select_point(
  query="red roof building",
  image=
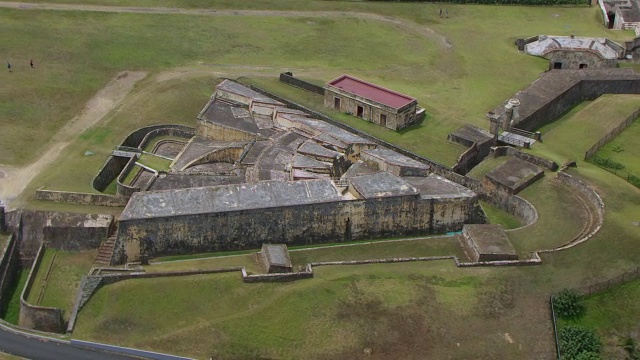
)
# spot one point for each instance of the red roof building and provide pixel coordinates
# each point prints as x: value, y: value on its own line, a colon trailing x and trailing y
x: 371, y: 102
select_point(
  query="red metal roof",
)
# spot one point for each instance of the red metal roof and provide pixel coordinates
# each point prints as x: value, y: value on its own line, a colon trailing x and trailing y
x: 370, y: 91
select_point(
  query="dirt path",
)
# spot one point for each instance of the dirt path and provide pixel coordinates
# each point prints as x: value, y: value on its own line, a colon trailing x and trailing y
x: 404, y: 24
x: 16, y: 179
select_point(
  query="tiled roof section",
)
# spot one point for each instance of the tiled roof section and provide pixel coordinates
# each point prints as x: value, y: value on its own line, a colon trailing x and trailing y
x: 371, y: 91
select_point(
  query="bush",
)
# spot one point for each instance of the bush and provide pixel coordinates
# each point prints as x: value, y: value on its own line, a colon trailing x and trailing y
x: 578, y: 343
x: 607, y: 163
x: 568, y: 304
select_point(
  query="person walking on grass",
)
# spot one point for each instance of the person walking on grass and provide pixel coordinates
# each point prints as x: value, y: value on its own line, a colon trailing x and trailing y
x: 31, y: 64
x: 9, y: 67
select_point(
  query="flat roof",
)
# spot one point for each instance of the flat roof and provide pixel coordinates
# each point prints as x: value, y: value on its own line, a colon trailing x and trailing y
x: 217, y: 199
x: 382, y: 184
x: 371, y: 91
x: 437, y: 187
x: 242, y: 90
x: 277, y: 254
x: 548, y: 43
x: 395, y: 158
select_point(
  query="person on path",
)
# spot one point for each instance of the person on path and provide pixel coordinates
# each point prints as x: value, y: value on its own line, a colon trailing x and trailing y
x: 446, y: 12
x: 440, y: 12
x: 31, y: 63
x: 9, y: 66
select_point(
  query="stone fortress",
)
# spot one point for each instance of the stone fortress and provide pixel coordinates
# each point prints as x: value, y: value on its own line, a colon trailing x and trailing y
x: 270, y: 174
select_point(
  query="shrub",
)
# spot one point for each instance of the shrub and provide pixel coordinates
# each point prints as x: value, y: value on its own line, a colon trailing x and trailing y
x: 568, y: 304
x: 607, y: 163
x: 578, y: 343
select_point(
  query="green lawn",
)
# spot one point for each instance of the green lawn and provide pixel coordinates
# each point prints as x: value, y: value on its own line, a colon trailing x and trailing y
x: 154, y: 162
x: 584, y: 126
x: 499, y: 216
x: 625, y: 148
x: 488, y: 164
x: 613, y: 315
x: 67, y: 74
x: 67, y: 270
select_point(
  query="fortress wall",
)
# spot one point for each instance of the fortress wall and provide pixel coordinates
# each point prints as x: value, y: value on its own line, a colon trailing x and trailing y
x: 222, y: 133
x: 127, y: 190
x: 9, y: 265
x: 583, y: 90
x: 81, y: 198
x: 315, y: 223
x: 498, y: 151
x: 38, y: 317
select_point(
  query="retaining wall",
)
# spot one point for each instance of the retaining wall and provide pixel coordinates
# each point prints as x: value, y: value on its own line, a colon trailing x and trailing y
x: 38, y: 317
x: 109, y: 172
x: 289, y: 79
x: 277, y: 277
x: 9, y: 266
x: 127, y: 190
x: 81, y: 198
x: 498, y: 151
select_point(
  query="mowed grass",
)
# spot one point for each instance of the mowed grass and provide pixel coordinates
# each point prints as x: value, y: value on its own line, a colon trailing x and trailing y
x: 613, y: 315
x: 336, y: 314
x: 413, y: 61
x: 584, y: 126
x: 67, y: 269
x: 496, y: 215
x: 625, y: 148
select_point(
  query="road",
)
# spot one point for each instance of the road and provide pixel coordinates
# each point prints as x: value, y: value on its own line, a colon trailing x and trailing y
x: 35, y: 348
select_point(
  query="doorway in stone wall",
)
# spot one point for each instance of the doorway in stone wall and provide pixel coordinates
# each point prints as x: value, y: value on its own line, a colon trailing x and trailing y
x: 557, y: 65
x: 383, y: 120
x: 336, y: 103
x: 360, y: 111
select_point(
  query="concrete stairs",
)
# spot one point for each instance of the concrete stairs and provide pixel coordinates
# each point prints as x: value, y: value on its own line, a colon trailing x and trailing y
x: 105, y: 252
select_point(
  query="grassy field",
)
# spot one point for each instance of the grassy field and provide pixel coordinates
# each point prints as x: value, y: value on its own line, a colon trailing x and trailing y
x: 419, y: 310
x: 624, y: 148
x: 67, y: 269
x: 66, y: 75
x: 584, y: 126
x: 613, y: 315
x: 499, y: 216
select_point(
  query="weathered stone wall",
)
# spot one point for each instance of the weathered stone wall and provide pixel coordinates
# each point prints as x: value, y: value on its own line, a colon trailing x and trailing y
x: 498, y: 151
x: 585, y: 189
x: 167, y: 130
x: 572, y: 60
x: 226, y: 155
x: 222, y: 133
x: 123, y: 189
x: 74, y: 239
x: 135, y: 138
x: 109, y: 172
x: 81, y: 198
x: 38, y: 317
x: 9, y: 266
x: 3, y: 222
x: 315, y: 223
x: 583, y: 90
x: 395, y: 118
x: 289, y: 79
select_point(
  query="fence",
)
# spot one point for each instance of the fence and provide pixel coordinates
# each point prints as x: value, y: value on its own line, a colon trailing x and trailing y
x: 613, y: 133
x: 590, y: 290
x: 621, y: 173
x: 288, y: 78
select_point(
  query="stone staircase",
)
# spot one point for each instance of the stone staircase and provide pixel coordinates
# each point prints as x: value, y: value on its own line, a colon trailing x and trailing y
x: 105, y: 252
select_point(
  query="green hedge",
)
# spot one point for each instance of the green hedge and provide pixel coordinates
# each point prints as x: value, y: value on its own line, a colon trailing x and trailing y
x: 503, y: 2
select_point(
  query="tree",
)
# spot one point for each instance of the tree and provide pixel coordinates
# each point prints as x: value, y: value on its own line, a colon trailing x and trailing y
x: 568, y: 304
x: 578, y: 343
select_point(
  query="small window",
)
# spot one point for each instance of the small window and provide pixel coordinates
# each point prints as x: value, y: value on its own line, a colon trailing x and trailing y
x: 583, y: 66
x: 557, y: 65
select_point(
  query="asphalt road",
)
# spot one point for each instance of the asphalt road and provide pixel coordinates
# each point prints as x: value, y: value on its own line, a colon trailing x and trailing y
x: 35, y: 348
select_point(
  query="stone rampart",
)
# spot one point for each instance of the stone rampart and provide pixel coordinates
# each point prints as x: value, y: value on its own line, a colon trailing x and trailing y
x: 81, y: 198
x: 136, y: 138
x: 125, y: 190
x: 9, y: 265
x: 498, y: 151
x: 316, y: 223
x: 38, y: 317
x: 587, y: 89
x: 167, y: 130
x: 288, y: 78
x: 109, y: 172
x: 587, y: 191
